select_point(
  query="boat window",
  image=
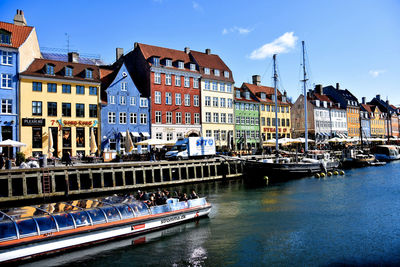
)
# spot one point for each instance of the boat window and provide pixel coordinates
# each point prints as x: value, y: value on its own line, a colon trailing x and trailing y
x: 7, y: 230
x: 111, y: 213
x: 64, y: 221
x: 139, y: 208
x: 125, y: 210
x: 81, y: 218
x: 197, y: 202
x: 97, y: 216
x: 160, y: 209
x: 46, y: 224
x: 27, y: 227
x: 179, y: 205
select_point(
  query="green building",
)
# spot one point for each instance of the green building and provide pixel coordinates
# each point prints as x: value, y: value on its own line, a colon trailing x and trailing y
x: 247, y: 119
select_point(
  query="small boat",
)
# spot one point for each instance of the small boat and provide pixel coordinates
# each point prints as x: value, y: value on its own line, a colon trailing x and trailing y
x: 356, y: 159
x: 377, y: 163
x: 40, y: 230
x: 386, y: 153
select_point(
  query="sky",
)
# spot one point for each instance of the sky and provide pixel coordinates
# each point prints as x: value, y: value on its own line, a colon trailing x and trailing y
x: 355, y: 43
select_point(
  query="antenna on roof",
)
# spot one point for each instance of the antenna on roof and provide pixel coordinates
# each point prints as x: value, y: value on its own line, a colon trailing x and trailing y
x: 67, y: 36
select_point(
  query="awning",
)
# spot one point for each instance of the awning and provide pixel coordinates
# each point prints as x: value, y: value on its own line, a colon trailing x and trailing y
x: 145, y: 134
x: 135, y: 134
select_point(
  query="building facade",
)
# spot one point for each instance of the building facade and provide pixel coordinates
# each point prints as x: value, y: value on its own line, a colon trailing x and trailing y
x: 247, y: 115
x: 123, y: 107
x: 18, y: 47
x: 365, y: 117
x: 60, y: 99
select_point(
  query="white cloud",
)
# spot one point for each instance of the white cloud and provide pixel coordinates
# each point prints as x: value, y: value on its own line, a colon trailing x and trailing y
x: 239, y: 30
x: 283, y: 44
x: 376, y: 73
x: 197, y: 6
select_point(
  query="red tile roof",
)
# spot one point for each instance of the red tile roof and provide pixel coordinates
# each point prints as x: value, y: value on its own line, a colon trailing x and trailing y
x: 162, y: 52
x: 251, y: 100
x: 38, y: 65
x: 322, y: 98
x: 18, y: 33
x: 261, y: 89
x: 367, y: 107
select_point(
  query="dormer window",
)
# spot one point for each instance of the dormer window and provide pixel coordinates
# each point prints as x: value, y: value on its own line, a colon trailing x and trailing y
x: 181, y: 65
x: 68, y: 71
x: 89, y: 74
x: 247, y: 95
x: 325, y: 104
x: 192, y: 67
x: 216, y: 72
x: 237, y: 94
x: 207, y: 71
x: 5, y: 37
x: 263, y: 96
x: 226, y: 74
x: 156, y: 61
x: 317, y: 103
x: 50, y: 69
x: 168, y: 63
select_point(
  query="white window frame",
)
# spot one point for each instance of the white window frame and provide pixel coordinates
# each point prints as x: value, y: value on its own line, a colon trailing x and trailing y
x: 157, y: 77
x: 188, y: 118
x: 170, y: 136
x: 230, y: 118
x: 8, y: 104
x: 157, y: 97
x: 168, y: 63
x: 6, y: 58
x: 132, y: 101
x: 215, y: 117
x: 192, y: 67
x: 208, y: 133
x: 206, y: 85
x: 158, y: 116
x: 159, y: 136
x: 214, y: 86
x: 178, y: 117
x: 196, y: 118
x: 229, y: 88
x: 132, y: 118
x: 168, y: 79
x: 177, y: 80
x: 230, y: 103
x: 168, y: 98
x: 178, y: 99
x: 207, y: 71
x: 122, y: 118
x: 195, y: 83
x: 168, y: 117
x: 143, y: 118
x: 111, y: 117
x: 187, y: 82
x: 181, y: 64
x: 207, y: 101
x: 208, y: 117
x: 8, y: 78
x: 223, y: 118
x: 216, y: 72
x: 222, y: 87
x: 222, y: 102
x: 187, y: 100
x: 196, y: 102
x: 226, y: 74
x: 124, y: 86
x: 144, y: 103
x: 215, y: 102
x: 122, y: 100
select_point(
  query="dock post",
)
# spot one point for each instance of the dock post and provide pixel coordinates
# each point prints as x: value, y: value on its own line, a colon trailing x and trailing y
x: 66, y: 183
x: 24, y: 188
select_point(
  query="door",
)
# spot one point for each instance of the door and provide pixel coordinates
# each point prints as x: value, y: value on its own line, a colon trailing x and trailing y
x: 6, y: 133
x: 54, y: 133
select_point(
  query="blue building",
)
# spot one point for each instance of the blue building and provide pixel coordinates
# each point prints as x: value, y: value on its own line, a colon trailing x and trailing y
x: 123, y: 108
x: 16, y: 39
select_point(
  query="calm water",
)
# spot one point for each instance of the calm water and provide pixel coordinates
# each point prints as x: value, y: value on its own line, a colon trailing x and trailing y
x: 352, y: 219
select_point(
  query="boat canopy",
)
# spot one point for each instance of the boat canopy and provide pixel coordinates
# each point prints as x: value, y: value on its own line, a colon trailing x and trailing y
x: 16, y: 223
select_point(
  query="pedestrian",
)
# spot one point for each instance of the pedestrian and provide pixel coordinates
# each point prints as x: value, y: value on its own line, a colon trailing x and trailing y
x: 153, y: 154
x: 1, y: 161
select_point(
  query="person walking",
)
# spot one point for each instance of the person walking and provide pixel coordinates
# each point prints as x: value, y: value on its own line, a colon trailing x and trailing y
x: 1, y: 161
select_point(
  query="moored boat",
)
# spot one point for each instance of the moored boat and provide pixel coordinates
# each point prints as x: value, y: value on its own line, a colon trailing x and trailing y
x: 38, y: 230
x: 356, y: 159
x: 386, y: 153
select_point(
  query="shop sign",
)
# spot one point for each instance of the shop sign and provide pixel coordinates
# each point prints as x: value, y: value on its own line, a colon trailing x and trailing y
x: 33, y: 122
x: 76, y: 123
x: 272, y: 130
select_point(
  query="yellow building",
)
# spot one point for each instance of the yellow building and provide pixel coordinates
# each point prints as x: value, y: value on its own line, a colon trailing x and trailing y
x: 267, y: 110
x: 353, y: 121
x: 60, y: 99
x: 377, y: 122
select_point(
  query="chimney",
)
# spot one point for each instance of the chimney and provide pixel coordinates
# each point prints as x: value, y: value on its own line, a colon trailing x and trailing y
x: 135, y: 45
x: 208, y: 51
x: 256, y: 79
x: 363, y: 100
x: 187, y: 50
x: 73, y: 57
x: 318, y: 89
x: 337, y: 86
x: 19, y: 18
x: 119, y: 52
x: 378, y: 97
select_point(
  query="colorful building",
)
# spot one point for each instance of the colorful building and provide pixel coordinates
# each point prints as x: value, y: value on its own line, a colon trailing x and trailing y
x: 60, y: 99
x: 123, y: 107
x: 265, y: 96
x: 377, y: 121
x: 247, y: 116
x: 18, y: 47
x: 171, y: 79
x: 365, y: 117
x: 216, y: 98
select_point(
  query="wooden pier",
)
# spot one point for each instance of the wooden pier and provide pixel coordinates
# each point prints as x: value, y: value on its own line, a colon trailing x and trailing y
x: 55, y: 182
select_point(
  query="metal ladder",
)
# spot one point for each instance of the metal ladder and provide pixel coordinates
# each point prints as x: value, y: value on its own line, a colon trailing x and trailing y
x: 46, y: 181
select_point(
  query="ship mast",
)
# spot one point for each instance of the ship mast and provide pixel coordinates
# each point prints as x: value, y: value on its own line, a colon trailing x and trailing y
x: 276, y: 106
x: 305, y: 101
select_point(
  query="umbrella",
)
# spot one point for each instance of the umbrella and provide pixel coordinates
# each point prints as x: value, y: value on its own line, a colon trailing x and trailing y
x: 128, y: 142
x: 51, y: 149
x: 11, y: 143
x: 154, y: 142
x: 93, y: 146
x: 281, y: 141
x: 302, y: 140
x: 336, y: 140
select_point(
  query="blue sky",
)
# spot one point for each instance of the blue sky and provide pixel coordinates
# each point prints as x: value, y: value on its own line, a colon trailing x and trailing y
x: 353, y: 42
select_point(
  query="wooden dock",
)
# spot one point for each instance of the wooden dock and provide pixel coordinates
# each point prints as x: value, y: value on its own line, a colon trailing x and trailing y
x: 57, y: 182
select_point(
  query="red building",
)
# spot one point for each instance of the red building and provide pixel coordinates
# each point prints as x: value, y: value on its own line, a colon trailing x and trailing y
x: 171, y: 79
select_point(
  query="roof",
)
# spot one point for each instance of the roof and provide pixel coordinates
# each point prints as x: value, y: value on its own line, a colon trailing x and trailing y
x: 253, y: 99
x: 261, y: 89
x: 64, y: 57
x: 107, y: 76
x: 367, y: 107
x: 38, y: 65
x: 162, y: 52
x: 322, y: 97
x: 213, y: 62
x: 18, y: 33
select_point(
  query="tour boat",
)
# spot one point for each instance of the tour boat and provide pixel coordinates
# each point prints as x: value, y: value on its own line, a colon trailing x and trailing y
x: 356, y: 159
x: 386, y: 153
x: 39, y: 230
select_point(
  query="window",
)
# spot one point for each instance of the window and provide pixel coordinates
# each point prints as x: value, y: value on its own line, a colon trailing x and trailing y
x: 89, y: 74
x: 169, y: 117
x: 122, y: 117
x: 229, y: 88
x: 226, y: 74
x: 215, y: 101
x: 168, y: 79
x: 188, y: 118
x: 122, y: 100
x: 178, y: 117
x: 268, y: 108
x: 168, y: 63
x: 112, y: 99
x: 52, y: 109
x: 207, y: 71
x: 223, y: 135
x: 49, y: 69
x: 156, y: 61
x: 6, y: 81
x: 237, y: 106
x: 216, y: 134
x: 263, y: 96
x: 195, y: 83
x: 111, y: 117
x: 132, y: 118
x: 169, y: 136
x: 158, y: 116
x: 68, y: 71
x: 256, y: 121
x: 37, y: 108
x: 36, y: 137
x: 192, y: 67
x: 237, y: 94
x: 222, y: 102
x: 230, y: 103
x: 208, y: 133
x: 206, y: 85
x: 222, y: 87
x: 92, y: 111
x: 168, y: 98
x: 80, y: 90
x: 287, y: 122
x: 143, y: 118
x: 159, y: 136
x: 246, y: 107
x: 247, y: 95
x: 242, y: 106
x: 80, y: 110
x: 196, y: 101
x: 178, y: 99
x: 230, y: 118
x: 132, y: 101
x: 247, y: 120
x: 252, y: 121
x: 124, y: 86
x: 237, y: 119
x: 251, y: 107
x: 80, y: 137
x: 214, y: 86
x: 216, y: 72
x: 66, y: 88
x: 187, y: 100
x: 268, y: 121
x: 37, y: 86
x: 66, y: 109
x: 92, y: 90
x: 208, y: 116
x: 177, y: 80
x: 242, y: 120
x: 181, y: 65
x: 52, y: 88
x: 196, y: 118
x: 6, y: 58
x: 157, y: 78
x: 144, y: 103
x: 223, y: 118
x: 215, y: 117
x: 207, y: 101
x: 187, y: 82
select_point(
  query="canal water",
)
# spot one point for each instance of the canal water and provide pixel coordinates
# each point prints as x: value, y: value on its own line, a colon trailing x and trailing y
x: 352, y: 219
